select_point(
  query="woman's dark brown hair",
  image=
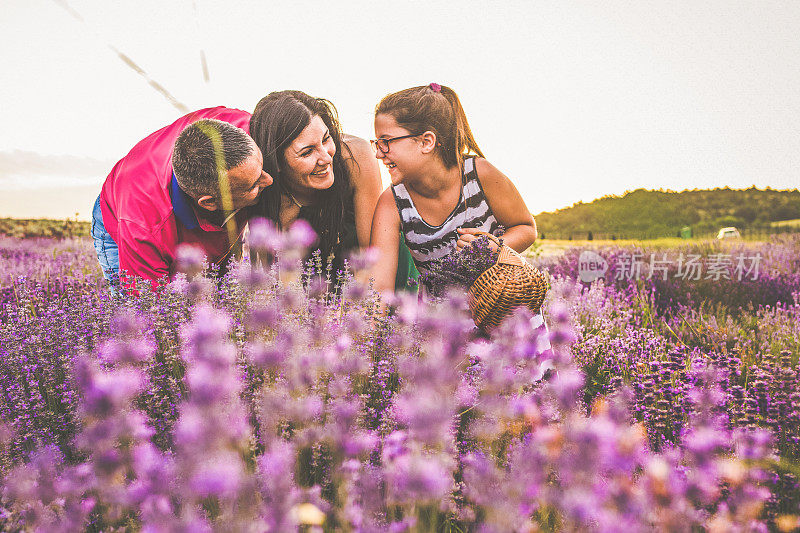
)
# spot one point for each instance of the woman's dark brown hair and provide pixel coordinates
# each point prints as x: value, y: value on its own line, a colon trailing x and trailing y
x: 277, y: 120
x: 433, y: 108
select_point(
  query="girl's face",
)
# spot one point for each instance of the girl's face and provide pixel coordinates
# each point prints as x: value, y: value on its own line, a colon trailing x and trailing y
x: 403, y: 155
x: 309, y: 158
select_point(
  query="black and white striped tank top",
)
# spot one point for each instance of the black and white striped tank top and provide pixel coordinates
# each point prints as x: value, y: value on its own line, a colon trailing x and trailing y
x: 428, y: 243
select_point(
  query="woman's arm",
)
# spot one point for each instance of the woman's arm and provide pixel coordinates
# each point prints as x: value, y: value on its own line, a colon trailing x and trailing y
x: 508, y: 207
x: 386, y: 239
x: 366, y: 181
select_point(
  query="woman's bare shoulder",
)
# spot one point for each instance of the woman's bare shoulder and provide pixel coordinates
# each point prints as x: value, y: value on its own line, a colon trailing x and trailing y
x: 357, y: 147
x: 359, y: 156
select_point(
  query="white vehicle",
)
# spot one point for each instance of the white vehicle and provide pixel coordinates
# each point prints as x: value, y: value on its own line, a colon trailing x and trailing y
x: 729, y: 233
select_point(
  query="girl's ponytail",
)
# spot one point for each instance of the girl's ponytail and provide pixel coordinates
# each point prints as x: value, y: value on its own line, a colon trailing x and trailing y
x: 436, y: 108
x: 466, y: 141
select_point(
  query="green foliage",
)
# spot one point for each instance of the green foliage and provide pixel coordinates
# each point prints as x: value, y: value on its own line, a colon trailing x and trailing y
x: 644, y: 214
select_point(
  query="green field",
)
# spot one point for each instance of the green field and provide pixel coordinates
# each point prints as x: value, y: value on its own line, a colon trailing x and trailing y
x: 795, y: 223
x: 554, y: 247
x: 44, y: 227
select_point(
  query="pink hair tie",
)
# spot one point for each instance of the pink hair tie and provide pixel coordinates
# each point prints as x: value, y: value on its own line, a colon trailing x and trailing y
x: 435, y: 87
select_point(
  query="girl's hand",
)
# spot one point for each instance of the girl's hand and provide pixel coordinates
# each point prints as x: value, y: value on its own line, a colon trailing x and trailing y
x: 467, y: 235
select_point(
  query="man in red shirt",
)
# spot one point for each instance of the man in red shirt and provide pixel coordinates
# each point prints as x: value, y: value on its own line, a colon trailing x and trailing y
x: 168, y: 191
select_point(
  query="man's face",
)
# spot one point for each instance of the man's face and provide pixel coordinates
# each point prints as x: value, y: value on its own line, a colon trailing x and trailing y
x: 248, y: 179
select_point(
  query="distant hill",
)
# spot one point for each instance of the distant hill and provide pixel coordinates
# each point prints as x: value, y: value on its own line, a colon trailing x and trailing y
x: 639, y: 214
x: 645, y: 214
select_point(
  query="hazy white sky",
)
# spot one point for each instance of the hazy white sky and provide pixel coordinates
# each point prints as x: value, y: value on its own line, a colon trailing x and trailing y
x: 572, y: 100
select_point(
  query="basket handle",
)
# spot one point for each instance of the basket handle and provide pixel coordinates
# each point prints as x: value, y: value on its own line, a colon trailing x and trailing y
x: 508, y: 256
x: 491, y: 237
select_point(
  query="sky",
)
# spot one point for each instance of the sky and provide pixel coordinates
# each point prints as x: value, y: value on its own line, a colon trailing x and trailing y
x: 572, y: 100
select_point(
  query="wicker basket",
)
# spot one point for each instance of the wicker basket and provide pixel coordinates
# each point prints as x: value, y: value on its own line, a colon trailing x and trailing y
x: 512, y: 282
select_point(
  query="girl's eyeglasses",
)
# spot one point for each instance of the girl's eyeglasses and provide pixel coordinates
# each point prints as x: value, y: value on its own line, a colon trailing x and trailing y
x: 383, y: 144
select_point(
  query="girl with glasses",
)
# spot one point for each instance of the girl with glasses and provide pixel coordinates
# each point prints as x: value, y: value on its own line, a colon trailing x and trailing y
x: 443, y: 191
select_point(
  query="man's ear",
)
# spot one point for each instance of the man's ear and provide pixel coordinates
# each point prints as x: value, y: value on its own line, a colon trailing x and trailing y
x: 208, y: 203
x: 429, y: 142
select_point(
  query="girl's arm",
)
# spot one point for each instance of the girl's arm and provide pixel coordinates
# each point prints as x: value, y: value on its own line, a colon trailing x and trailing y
x: 508, y: 207
x: 386, y: 240
x: 366, y: 181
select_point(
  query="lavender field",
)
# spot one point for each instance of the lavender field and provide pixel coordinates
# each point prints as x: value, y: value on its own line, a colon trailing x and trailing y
x: 670, y: 400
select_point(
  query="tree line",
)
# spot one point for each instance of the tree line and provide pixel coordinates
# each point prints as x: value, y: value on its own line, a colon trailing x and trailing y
x: 648, y: 214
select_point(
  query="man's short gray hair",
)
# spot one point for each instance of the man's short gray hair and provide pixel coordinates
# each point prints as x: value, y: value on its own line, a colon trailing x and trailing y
x: 194, y: 158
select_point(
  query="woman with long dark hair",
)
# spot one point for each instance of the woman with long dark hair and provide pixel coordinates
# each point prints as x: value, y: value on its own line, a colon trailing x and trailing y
x: 321, y: 175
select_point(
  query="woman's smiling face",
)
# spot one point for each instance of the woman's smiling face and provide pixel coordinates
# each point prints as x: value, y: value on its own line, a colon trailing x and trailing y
x: 309, y: 158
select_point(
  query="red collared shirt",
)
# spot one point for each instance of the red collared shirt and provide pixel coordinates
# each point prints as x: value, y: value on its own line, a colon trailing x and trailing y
x: 145, y: 216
